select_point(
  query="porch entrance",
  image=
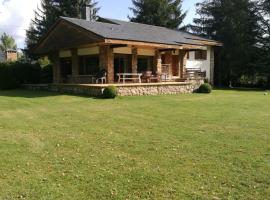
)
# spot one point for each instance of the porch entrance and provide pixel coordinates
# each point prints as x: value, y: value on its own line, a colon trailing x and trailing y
x: 122, y: 64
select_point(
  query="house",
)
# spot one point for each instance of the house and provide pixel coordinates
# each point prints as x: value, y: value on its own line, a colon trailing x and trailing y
x: 8, y: 55
x: 80, y: 48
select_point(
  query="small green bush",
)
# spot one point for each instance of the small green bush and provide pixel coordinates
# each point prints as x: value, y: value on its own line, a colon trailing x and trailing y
x: 205, y: 88
x: 110, y: 92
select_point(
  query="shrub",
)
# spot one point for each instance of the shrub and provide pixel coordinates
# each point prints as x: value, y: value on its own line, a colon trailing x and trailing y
x: 205, y: 88
x: 13, y: 74
x: 7, y: 78
x: 110, y: 92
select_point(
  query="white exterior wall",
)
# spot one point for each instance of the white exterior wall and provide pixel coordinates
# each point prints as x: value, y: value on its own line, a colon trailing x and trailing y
x: 204, y: 65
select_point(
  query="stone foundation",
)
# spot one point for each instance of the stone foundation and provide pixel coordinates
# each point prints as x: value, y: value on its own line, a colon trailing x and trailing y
x: 123, y: 89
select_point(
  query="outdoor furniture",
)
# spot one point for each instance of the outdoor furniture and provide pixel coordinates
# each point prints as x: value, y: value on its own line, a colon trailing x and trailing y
x: 147, y: 76
x: 129, y: 76
x: 193, y: 73
x: 101, y: 77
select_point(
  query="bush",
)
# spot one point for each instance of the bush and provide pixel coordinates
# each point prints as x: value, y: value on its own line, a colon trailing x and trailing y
x: 110, y: 92
x: 13, y: 74
x: 205, y: 88
x: 7, y: 78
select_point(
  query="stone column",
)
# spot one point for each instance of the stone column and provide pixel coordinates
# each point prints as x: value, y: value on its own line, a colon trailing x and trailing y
x: 158, y: 62
x: 106, y: 61
x: 75, y: 65
x: 134, y: 60
x: 183, y: 62
x: 212, y: 65
x: 56, y: 68
x: 168, y: 61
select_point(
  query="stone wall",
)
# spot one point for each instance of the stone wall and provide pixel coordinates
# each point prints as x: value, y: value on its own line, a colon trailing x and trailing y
x: 159, y: 89
x: 123, y: 90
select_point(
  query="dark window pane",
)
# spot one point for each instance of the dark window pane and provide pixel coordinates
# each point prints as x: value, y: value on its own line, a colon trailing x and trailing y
x: 89, y: 65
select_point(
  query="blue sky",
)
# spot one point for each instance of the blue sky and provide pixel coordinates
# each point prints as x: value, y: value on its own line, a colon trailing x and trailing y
x: 15, y: 15
x: 118, y: 9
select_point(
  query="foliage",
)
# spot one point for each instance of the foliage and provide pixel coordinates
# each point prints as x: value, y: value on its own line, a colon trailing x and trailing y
x: 179, y: 147
x: 235, y: 23
x: 110, y: 92
x: 48, y: 14
x: 13, y: 74
x: 7, y: 79
x: 166, y: 13
x: 205, y: 88
x: 7, y: 42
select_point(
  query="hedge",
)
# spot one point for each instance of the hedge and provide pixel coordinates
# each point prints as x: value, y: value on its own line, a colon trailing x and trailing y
x: 14, y: 74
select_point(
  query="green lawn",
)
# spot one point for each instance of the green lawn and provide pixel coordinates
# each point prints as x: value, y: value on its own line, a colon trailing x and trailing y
x: 195, y: 146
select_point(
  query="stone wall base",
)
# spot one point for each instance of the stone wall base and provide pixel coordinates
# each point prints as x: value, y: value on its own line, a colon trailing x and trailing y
x: 123, y: 90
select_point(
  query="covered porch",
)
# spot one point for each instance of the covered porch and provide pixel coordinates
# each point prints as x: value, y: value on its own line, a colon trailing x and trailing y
x: 111, y: 63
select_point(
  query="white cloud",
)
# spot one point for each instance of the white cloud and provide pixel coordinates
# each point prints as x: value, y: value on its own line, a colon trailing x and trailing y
x: 15, y: 17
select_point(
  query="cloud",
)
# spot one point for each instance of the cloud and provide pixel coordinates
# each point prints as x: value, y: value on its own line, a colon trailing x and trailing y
x: 15, y: 17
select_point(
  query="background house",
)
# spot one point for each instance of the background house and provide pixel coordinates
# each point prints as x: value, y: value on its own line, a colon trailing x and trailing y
x: 8, y: 55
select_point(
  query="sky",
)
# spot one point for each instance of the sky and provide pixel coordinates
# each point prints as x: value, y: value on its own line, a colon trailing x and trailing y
x: 16, y: 15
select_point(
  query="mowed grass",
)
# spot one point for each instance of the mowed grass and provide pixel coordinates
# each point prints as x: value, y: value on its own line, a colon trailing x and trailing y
x: 55, y: 146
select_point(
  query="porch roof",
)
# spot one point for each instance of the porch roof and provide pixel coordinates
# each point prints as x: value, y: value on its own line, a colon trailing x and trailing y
x: 122, y: 30
x: 73, y: 32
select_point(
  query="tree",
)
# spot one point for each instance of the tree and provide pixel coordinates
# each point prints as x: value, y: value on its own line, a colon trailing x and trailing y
x: 166, y: 13
x: 264, y: 39
x: 7, y: 42
x: 50, y: 11
x: 235, y: 23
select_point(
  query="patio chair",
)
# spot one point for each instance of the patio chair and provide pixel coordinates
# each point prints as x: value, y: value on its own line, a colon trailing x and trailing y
x: 147, y: 76
x: 101, y: 76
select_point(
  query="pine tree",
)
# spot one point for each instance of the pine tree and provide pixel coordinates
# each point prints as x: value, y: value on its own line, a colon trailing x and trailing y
x: 166, y: 13
x: 235, y: 24
x: 50, y: 11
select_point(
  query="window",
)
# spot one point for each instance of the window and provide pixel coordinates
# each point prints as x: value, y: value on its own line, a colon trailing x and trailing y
x: 145, y: 63
x: 188, y: 56
x: 200, y: 55
x: 89, y: 65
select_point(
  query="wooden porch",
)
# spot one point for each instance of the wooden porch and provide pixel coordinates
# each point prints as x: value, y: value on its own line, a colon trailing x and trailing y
x: 121, y: 64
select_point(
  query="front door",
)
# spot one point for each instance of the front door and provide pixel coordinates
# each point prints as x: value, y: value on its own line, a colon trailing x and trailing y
x: 175, y: 65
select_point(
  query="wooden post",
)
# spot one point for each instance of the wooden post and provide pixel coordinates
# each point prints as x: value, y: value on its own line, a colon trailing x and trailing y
x: 134, y: 60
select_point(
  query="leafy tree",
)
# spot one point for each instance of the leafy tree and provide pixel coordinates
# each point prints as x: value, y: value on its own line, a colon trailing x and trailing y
x: 236, y: 24
x: 7, y: 42
x: 167, y: 13
x: 50, y: 11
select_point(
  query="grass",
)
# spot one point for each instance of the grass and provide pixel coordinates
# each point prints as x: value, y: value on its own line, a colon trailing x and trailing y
x: 213, y: 146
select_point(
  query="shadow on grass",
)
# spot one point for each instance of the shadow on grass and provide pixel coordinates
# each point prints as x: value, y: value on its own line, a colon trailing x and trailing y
x: 23, y: 93
x: 240, y: 89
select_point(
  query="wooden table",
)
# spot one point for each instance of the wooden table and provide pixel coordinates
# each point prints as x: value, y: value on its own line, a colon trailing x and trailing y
x: 129, y: 76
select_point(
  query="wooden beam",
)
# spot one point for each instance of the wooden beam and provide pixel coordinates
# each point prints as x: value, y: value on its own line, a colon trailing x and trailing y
x: 118, y: 46
x: 141, y: 44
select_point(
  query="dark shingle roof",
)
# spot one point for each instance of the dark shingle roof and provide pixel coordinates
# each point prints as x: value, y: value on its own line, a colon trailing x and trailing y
x: 122, y: 30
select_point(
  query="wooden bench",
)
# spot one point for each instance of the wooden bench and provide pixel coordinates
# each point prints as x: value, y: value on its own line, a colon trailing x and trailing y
x: 129, y: 76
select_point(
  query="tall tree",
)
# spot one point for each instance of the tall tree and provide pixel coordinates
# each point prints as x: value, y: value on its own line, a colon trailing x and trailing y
x: 264, y: 39
x: 167, y: 13
x: 7, y: 42
x: 235, y: 24
x: 50, y: 11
